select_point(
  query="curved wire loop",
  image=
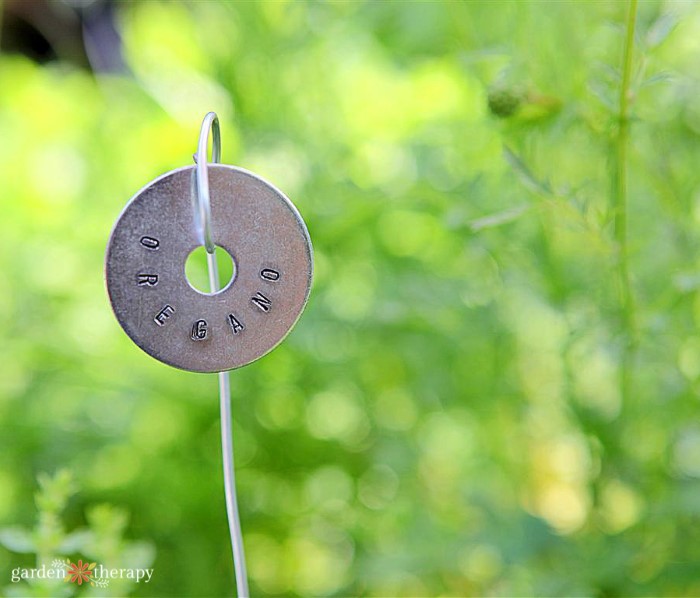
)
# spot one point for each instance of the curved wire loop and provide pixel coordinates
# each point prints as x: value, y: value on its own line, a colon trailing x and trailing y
x: 201, y: 196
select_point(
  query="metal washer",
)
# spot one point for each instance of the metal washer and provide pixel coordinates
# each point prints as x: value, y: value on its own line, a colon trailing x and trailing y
x: 171, y: 321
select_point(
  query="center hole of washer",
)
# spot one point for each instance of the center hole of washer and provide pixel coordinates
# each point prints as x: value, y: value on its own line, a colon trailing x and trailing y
x: 197, y: 272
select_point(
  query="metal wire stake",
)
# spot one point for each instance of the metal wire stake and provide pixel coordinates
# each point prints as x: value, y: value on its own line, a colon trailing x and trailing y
x: 203, y: 217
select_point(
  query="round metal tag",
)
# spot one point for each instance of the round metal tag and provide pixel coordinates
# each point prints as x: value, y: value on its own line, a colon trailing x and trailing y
x: 168, y: 318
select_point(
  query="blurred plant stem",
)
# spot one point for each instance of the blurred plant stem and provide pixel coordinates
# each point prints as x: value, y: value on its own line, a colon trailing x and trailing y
x: 619, y: 204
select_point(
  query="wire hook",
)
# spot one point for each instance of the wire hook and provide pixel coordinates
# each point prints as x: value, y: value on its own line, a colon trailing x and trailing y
x: 201, y: 196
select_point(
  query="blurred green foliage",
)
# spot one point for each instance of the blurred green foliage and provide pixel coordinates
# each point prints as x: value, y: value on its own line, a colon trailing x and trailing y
x: 49, y: 541
x: 449, y: 415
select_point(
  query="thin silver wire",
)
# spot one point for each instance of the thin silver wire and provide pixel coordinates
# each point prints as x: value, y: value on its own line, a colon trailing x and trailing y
x: 203, y: 215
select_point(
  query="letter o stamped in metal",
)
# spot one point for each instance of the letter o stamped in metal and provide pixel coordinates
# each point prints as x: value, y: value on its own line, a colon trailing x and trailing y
x: 180, y: 326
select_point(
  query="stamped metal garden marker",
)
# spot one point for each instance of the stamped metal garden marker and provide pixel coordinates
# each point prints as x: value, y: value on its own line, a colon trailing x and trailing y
x: 210, y: 205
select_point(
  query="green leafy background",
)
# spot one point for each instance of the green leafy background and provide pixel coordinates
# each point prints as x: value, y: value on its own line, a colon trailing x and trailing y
x: 466, y: 407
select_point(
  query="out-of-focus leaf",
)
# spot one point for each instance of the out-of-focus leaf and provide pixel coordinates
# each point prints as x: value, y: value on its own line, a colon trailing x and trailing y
x: 75, y: 541
x: 498, y: 219
x: 525, y: 174
x: 661, y: 29
x: 17, y: 539
x: 605, y: 94
x: 658, y: 78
